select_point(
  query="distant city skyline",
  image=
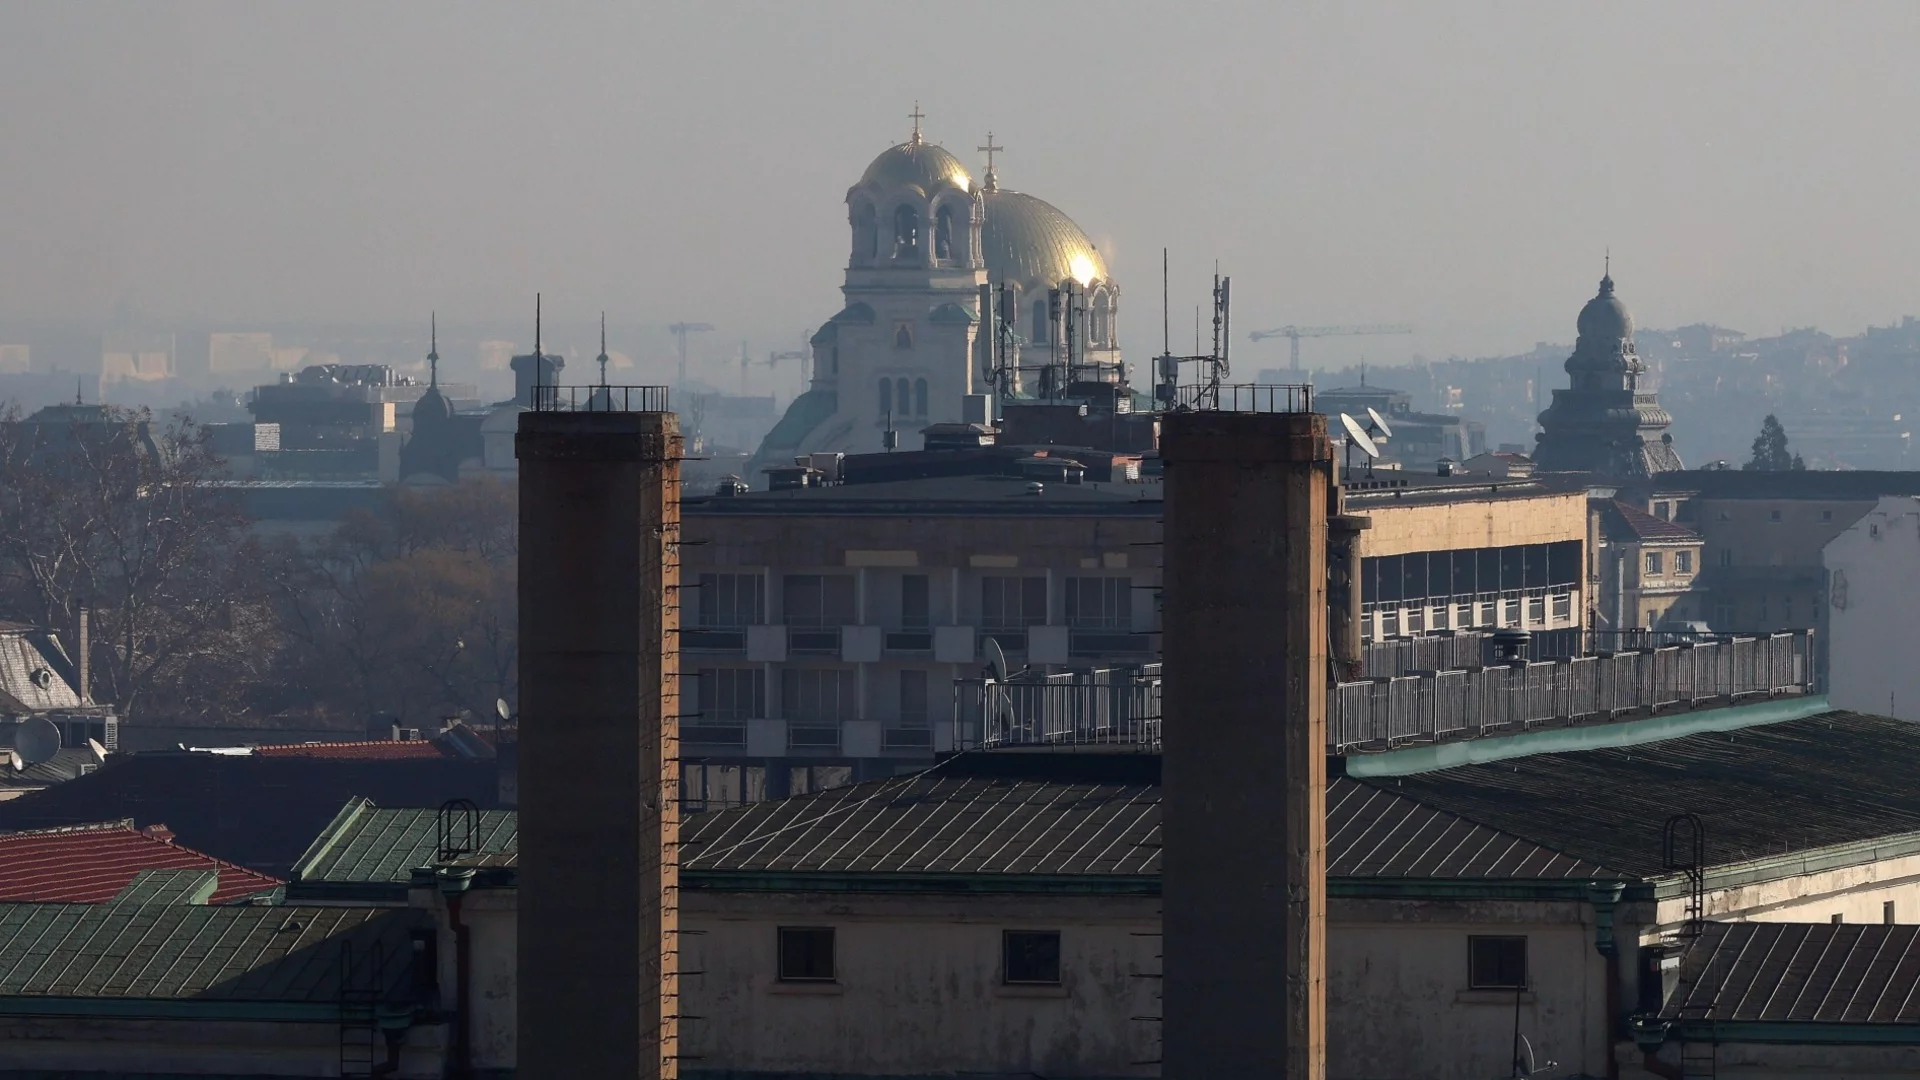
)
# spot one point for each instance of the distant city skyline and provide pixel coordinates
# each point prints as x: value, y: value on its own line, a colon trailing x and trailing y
x: 1461, y: 168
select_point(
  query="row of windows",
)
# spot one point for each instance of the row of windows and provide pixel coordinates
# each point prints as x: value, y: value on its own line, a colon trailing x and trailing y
x: 1682, y: 562
x: 1007, y: 602
x: 1534, y: 611
x: 1440, y: 574
x: 733, y: 695
x: 1032, y: 958
x: 898, y: 396
x: 1027, y: 957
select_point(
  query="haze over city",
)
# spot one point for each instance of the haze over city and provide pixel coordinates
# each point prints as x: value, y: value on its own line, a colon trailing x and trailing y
x: 1458, y: 167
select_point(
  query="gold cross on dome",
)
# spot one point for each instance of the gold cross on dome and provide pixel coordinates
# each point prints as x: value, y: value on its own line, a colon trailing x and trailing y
x: 990, y: 149
x: 916, y: 116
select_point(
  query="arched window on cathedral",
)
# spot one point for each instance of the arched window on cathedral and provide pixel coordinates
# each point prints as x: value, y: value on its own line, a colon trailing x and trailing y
x: 886, y: 396
x: 919, y: 397
x: 866, y: 233
x: 903, y: 393
x: 906, y: 232
x: 943, y: 234
x: 903, y: 335
x: 1102, y: 335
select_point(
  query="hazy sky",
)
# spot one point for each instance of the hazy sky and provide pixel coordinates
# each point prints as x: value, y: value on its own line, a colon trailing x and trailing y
x: 1459, y: 166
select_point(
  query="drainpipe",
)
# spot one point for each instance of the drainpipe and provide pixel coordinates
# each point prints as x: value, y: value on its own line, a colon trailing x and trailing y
x: 1605, y: 896
x: 393, y: 1020
x: 1649, y: 1034
x: 454, y: 882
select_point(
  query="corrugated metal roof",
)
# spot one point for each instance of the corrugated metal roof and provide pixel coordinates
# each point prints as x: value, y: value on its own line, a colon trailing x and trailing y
x: 92, y: 864
x: 1835, y: 778
x: 989, y: 826
x: 170, y: 887
x: 367, y: 843
x: 182, y: 951
x: 1829, y: 972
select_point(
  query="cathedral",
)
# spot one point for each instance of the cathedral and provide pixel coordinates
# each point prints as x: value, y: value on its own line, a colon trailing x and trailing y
x: 909, y: 345
x: 1603, y: 422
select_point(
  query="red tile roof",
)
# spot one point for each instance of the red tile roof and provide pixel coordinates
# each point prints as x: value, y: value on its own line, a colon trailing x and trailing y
x: 90, y: 864
x: 378, y: 750
x: 1631, y: 521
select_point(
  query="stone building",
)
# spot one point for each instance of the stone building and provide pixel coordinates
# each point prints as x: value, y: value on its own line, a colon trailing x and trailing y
x: 909, y: 345
x: 1604, y: 422
x: 1646, y: 568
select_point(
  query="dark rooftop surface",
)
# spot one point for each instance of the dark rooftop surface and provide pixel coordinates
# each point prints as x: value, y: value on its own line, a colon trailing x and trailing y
x: 258, y: 811
x: 1829, y: 972
x: 988, y: 495
x: 129, y: 950
x: 1835, y: 778
x: 988, y: 826
x: 368, y: 843
x: 1797, y: 484
x: 1622, y: 521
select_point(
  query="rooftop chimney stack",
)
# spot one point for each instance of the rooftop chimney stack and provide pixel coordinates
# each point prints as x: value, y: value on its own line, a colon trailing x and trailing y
x: 1244, y: 768
x: 598, y: 767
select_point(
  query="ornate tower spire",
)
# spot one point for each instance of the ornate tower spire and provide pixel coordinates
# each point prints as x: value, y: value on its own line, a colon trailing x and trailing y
x: 990, y: 182
x: 433, y: 350
x: 916, y: 116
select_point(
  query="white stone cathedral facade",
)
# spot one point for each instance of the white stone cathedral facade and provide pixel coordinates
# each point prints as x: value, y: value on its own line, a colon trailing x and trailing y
x: 909, y: 345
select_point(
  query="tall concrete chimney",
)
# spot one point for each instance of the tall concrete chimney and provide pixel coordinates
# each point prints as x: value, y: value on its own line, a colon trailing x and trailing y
x: 1244, y: 764
x: 599, y: 740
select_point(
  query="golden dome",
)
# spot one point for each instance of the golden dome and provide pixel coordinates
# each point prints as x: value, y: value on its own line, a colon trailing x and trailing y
x: 1027, y: 242
x: 918, y: 165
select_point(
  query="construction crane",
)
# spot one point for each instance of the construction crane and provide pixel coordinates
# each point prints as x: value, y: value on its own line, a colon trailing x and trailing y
x: 680, y: 330
x: 771, y: 363
x: 1293, y: 334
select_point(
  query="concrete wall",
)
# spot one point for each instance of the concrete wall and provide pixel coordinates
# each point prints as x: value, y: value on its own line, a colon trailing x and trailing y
x: 1546, y: 518
x: 1874, y: 585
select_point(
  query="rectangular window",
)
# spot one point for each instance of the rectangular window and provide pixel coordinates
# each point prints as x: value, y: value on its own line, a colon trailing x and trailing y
x: 1463, y: 616
x: 1536, y: 610
x: 1390, y: 623
x: 1773, y: 515
x: 913, y: 697
x: 1440, y: 617
x: 1839, y: 917
x: 915, y: 609
x: 816, y: 694
x: 1826, y: 515
x: 1100, y: 603
x: 732, y: 694
x: 1663, y: 511
x: 1683, y: 562
x: 817, y: 599
x: 1416, y: 620
x: 1653, y: 619
x: 1726, y: 556
x: 1010, y: 603
x: 1030, y: 957
x: 1654, y: 561
x: 1496, y: 963
x: 806, y: 954
x: 732, y: 601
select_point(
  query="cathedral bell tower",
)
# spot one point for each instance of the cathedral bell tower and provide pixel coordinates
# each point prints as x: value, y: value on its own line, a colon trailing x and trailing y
x: 1604, y: 422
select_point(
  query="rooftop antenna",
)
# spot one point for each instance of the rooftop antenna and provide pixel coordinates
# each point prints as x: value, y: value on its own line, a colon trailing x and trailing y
x: 602, y: 358
x: 433, y: 350
x: 76, y: 391
x: 990, y: 182
x: 1166, y: 327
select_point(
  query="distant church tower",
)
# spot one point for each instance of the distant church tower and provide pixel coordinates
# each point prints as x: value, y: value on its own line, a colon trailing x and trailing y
x: 1603, y: 423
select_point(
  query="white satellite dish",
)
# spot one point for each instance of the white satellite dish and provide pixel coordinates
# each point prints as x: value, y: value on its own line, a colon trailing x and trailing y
x: 500, y: 709
x: 36, y: 741
x: 1380, y: 422
x: 1357, y: 436
x: 996, y: 659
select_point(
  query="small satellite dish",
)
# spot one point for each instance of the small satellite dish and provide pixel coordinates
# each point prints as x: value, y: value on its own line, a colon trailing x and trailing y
x: 1357, y: 436
x: 42, y: 678
x: 37, y: 740
x: 500, y: 709
x: 1380, y: 421
x: 996, y: 659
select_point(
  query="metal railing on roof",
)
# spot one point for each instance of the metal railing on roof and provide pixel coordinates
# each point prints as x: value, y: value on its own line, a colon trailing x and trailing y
x: 1246, y: 397
x: 607, y: 399
x: 1100, y: 707
x: 1437, y: 706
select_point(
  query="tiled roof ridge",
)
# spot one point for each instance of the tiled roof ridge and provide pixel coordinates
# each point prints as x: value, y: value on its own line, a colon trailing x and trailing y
x: 109, y: 825
x: 1648, y: 527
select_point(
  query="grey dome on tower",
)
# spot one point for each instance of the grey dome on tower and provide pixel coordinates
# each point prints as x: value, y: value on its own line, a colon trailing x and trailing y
x: 1604, y: 422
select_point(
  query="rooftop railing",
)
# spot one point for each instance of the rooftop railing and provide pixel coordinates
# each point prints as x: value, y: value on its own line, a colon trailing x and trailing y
x: 607, y: 399
x: 1436, y: 706
x: 1246, y: 397
x: 1102, y: 707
